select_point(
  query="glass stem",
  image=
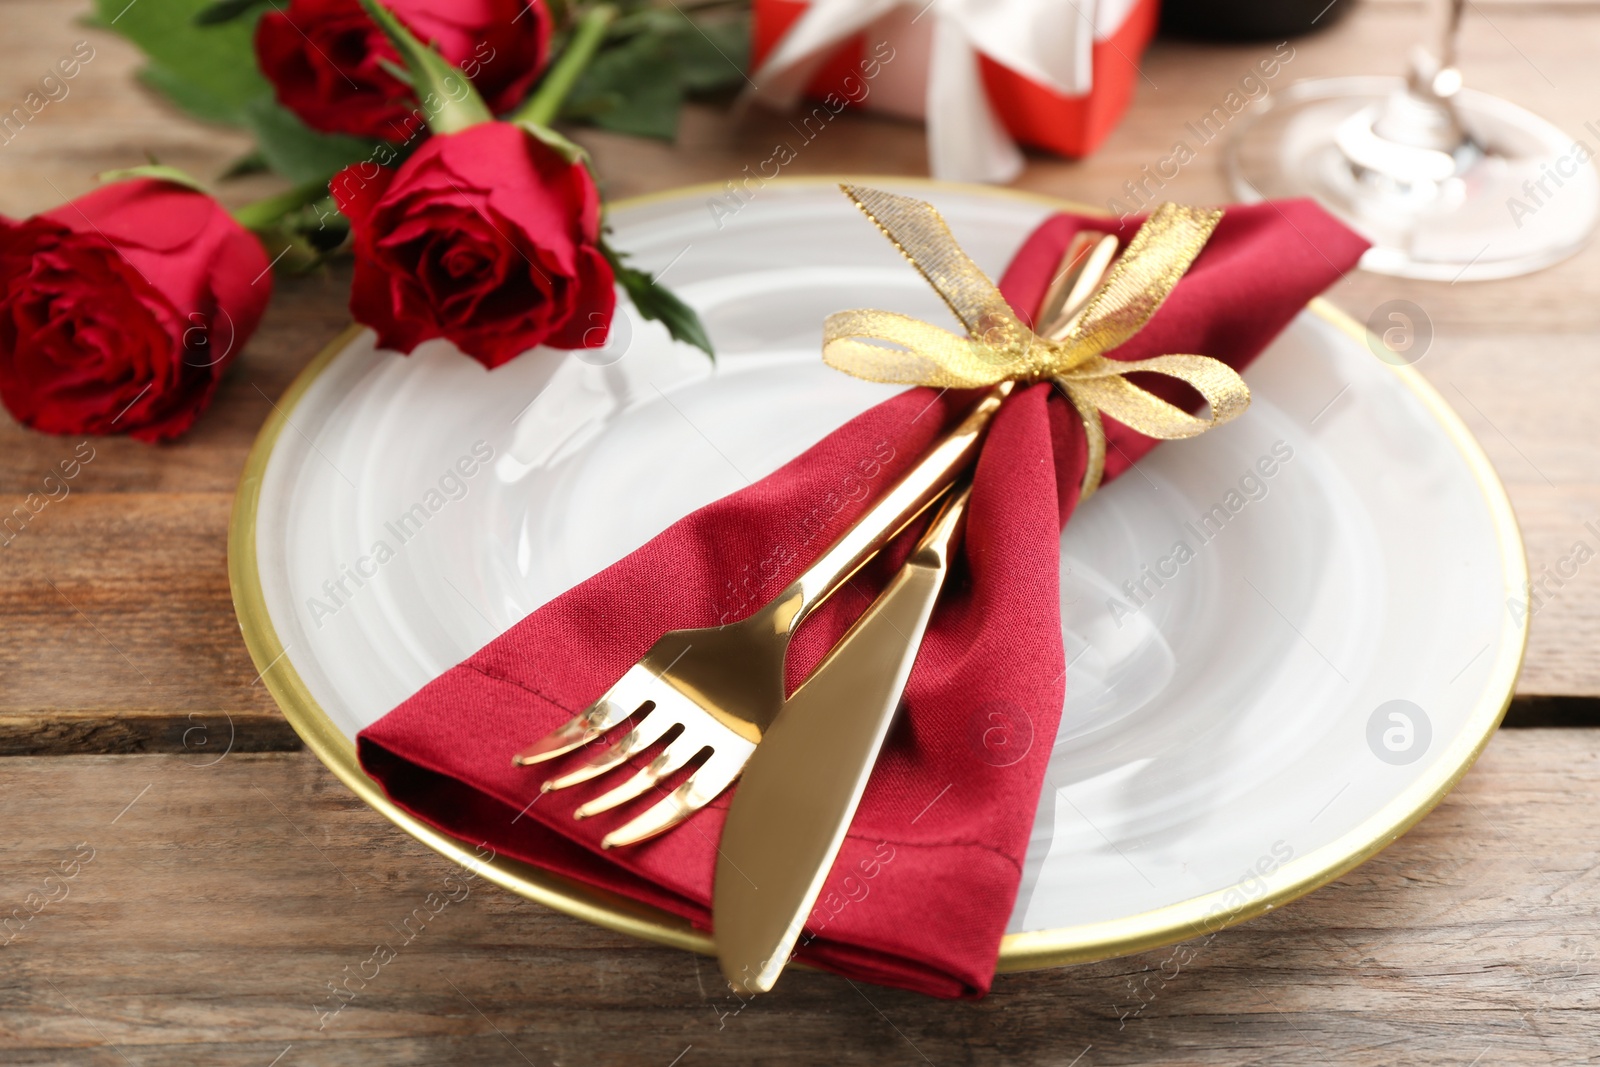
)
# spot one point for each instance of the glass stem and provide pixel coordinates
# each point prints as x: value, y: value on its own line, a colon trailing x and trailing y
x: 1433, y: 62
x: 1423, y: 114
x: 1444, y: 28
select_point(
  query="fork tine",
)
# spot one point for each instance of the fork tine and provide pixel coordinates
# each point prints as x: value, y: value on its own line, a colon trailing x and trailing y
x: 681, y: 751
x: 645, y: 733
x: 701, y: 788
x: 574, y: 733
x: 664, y: 815
x: 622, y: 700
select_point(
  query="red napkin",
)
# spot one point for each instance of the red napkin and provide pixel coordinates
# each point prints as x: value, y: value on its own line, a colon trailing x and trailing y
x: 925, y: 883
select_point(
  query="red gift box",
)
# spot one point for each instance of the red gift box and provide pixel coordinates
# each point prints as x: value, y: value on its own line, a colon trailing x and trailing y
x: 1033, y: 114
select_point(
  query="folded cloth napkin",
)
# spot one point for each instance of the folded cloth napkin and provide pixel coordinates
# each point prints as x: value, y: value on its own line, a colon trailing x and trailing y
x: 925, y: 883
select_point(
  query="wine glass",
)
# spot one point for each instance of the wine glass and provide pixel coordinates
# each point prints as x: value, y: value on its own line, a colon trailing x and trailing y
x: 1448, y: 183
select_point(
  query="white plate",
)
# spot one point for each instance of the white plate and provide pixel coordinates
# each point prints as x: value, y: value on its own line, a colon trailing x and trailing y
x: 1228, y: 741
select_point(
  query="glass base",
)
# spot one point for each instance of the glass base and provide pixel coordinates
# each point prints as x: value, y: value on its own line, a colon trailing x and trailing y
x: 1519, y: 196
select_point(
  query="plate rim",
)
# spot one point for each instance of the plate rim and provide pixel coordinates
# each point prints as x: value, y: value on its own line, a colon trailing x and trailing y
x: 1084, y: 943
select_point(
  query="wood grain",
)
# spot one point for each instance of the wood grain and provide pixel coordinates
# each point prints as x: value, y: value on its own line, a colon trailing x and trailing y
x: 222, y: 899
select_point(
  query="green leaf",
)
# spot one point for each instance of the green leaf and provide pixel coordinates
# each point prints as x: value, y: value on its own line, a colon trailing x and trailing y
x: 208, y: 71
x: 252, y: 162
x: 632, y: 89
x: 654, y: 59
x: 158, y: 171
x: 298, y: 152
x: 459, y: 104
x: 710, y: 56
x: 186, y: 96
x: 220, y: 11
x: 658, y: 303
x: 646, y: 19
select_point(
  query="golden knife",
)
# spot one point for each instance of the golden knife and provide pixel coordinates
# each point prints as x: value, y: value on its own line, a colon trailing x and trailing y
x: 800, y: 789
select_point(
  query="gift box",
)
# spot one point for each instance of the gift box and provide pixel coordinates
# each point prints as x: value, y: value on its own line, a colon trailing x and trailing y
x: 1057, y: 78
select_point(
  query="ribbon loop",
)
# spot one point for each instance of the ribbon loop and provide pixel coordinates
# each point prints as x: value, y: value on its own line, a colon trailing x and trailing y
x: 917, y: 229
x: 858, y: 343
x: 883, y: 346
x: 1143, y: 276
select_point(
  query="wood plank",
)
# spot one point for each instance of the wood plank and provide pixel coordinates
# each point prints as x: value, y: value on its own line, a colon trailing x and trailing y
x: 137, y: 612
x: 200, y: 733
x: 221, y: 900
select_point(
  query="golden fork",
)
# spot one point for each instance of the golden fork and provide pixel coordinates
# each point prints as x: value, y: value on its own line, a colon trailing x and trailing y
x: 722, y: 686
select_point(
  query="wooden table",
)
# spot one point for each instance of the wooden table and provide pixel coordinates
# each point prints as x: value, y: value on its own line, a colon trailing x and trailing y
x: 223, y: 896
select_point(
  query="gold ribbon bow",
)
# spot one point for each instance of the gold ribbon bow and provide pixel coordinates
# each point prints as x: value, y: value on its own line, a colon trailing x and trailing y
x: 1000, y: 347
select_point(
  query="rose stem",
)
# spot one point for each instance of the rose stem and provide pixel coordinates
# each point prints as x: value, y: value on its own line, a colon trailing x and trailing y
x: 542, y: 107
x: 261, y: 214
x: 433, y: 74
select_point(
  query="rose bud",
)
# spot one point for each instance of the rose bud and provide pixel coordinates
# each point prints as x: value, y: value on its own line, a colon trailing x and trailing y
x: 326, y: 59
x: 487, y: 237
x: 119, y: 311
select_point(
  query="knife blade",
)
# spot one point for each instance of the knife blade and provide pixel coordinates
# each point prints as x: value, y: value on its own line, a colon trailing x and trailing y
x: 799, y: 792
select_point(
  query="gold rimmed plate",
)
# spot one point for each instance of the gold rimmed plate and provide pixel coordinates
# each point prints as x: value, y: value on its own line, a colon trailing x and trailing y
x: 1289, y: 638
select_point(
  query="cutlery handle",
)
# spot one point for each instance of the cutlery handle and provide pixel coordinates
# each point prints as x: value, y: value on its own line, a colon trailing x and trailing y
x: 909, y: 497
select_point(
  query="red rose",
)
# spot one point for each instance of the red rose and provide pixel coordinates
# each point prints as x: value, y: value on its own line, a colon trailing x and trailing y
x: 487, y: 237
x: 326, y: 58
x: 120, y: 310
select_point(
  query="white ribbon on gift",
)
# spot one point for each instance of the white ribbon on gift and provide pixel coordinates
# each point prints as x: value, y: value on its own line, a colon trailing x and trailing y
x: 1046, y: 41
